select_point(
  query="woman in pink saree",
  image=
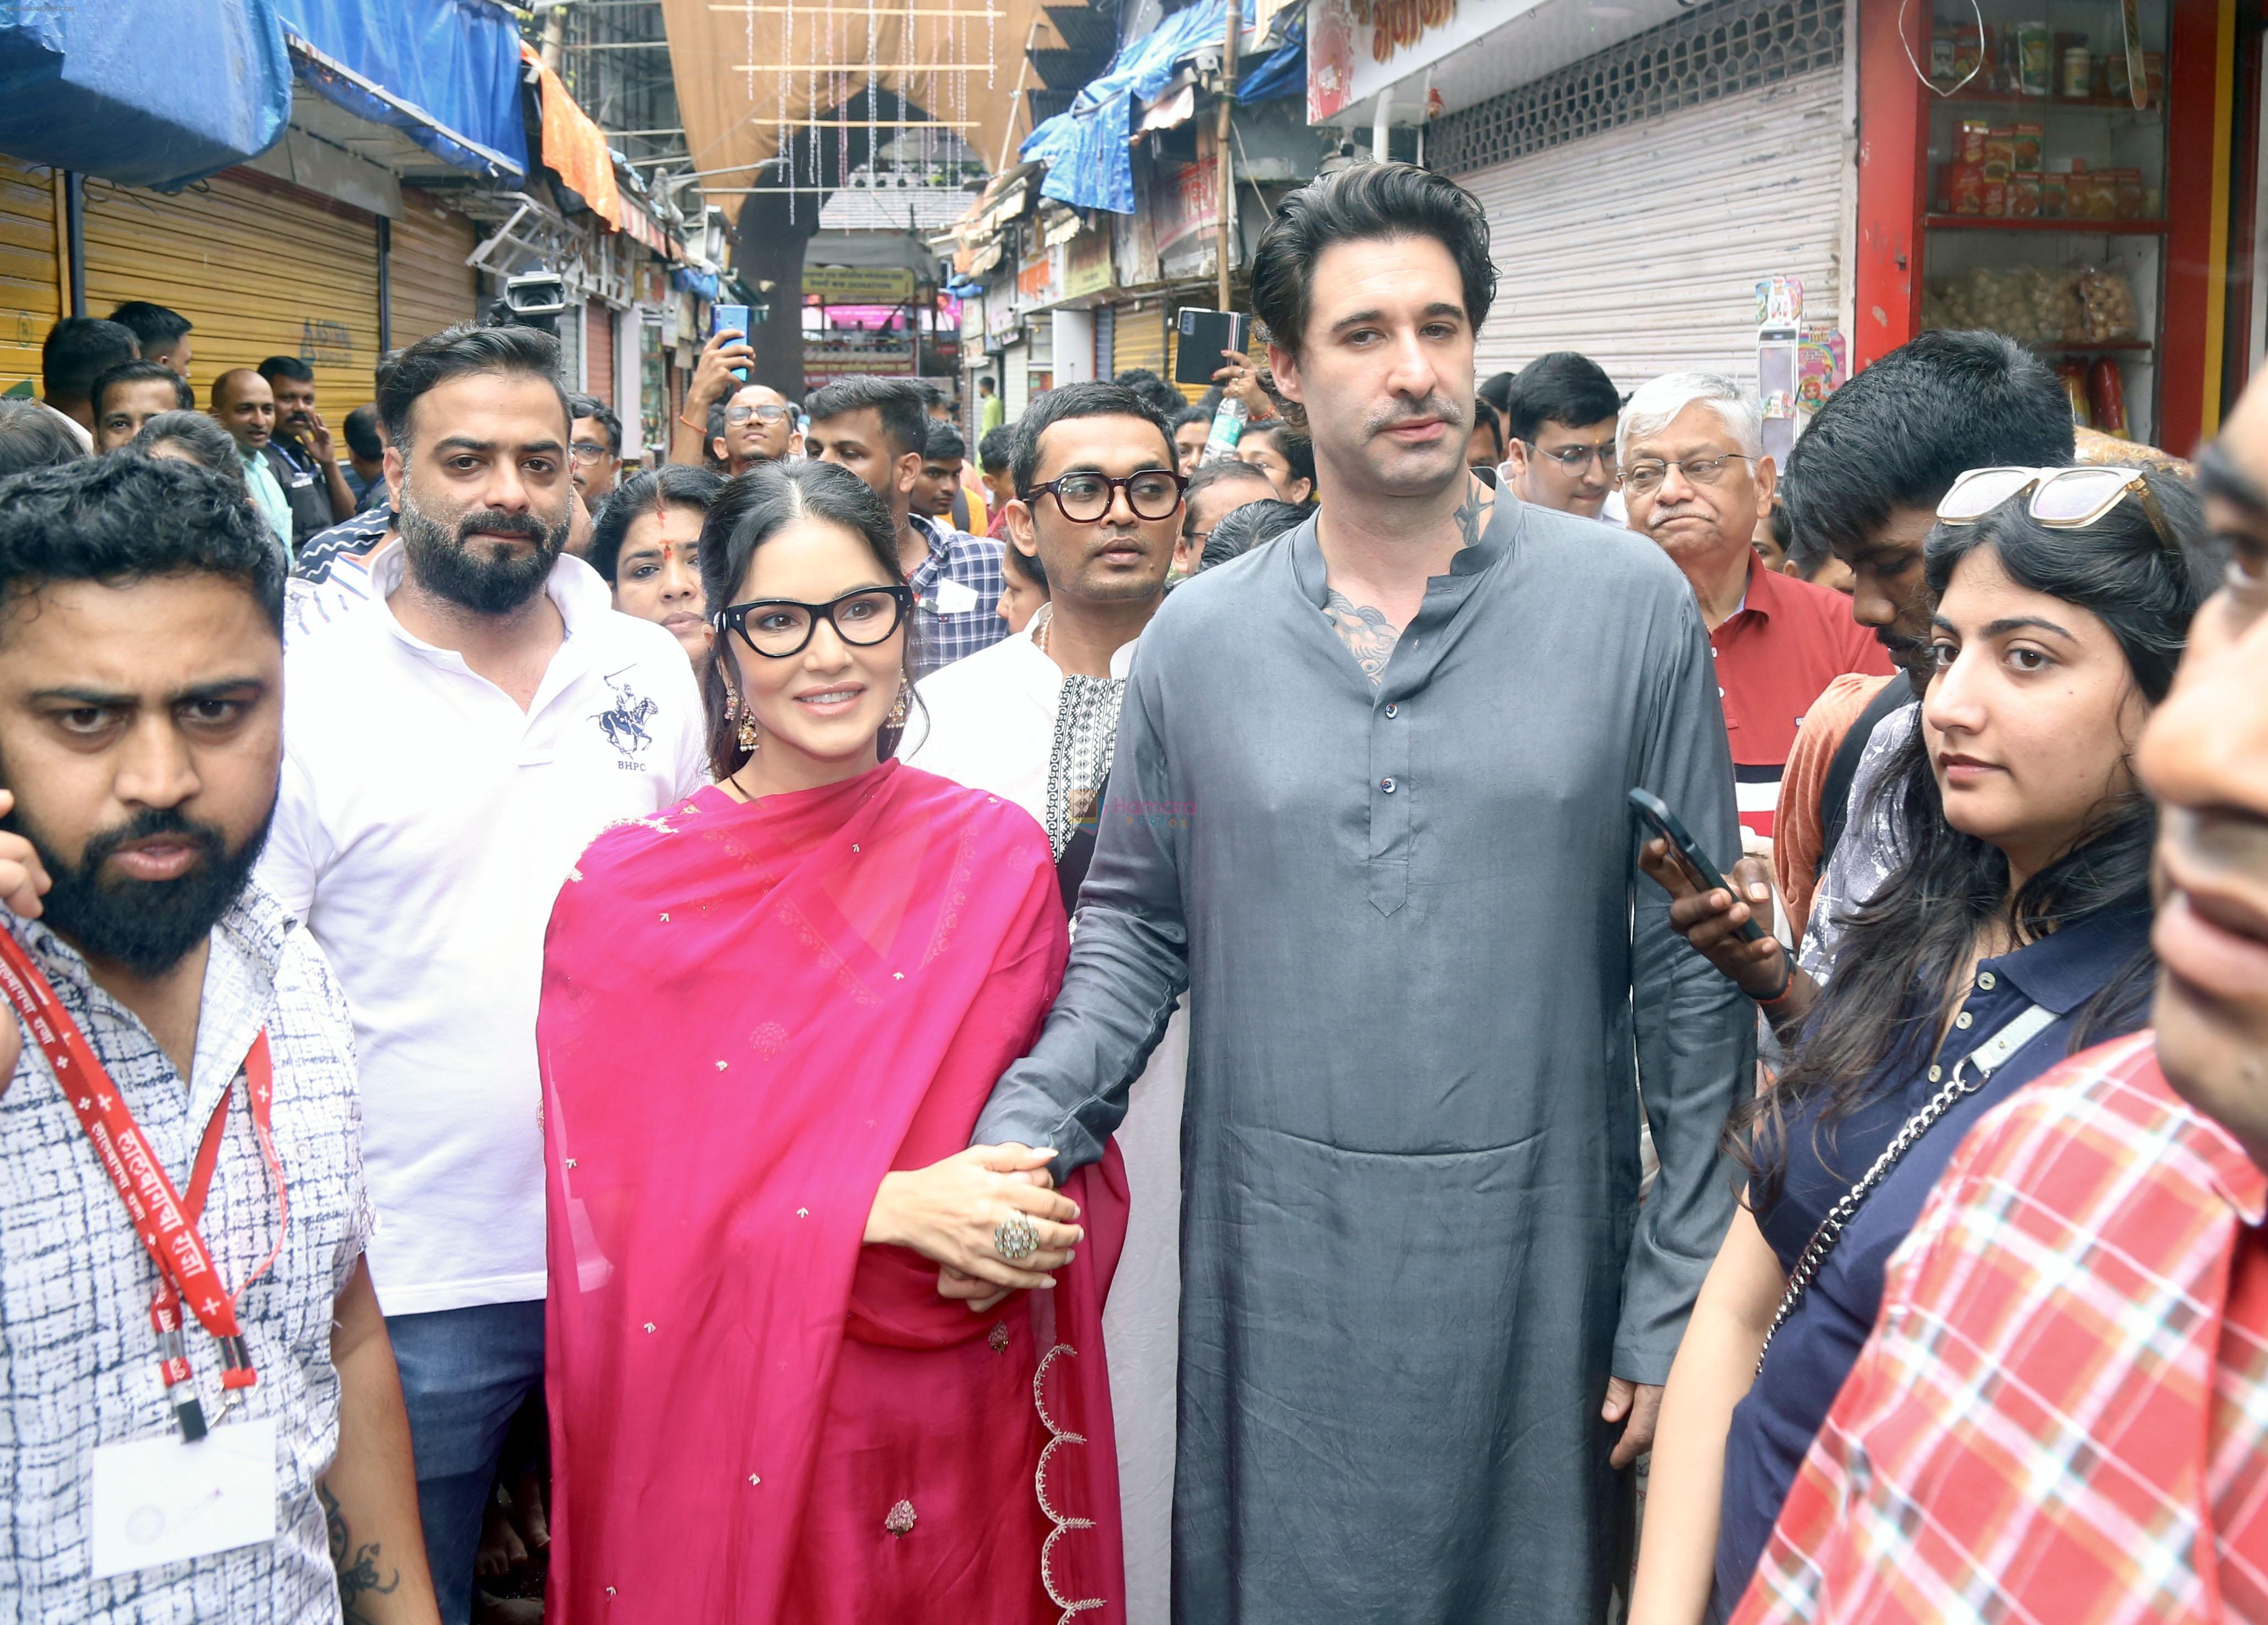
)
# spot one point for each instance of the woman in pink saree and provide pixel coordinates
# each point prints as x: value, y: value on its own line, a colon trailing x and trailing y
x: 771, y: 1016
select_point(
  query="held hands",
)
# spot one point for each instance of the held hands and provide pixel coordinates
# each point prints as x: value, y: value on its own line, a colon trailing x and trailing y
x: 1710, y: 920
x: 948, y: 1212
x: 712, y: 376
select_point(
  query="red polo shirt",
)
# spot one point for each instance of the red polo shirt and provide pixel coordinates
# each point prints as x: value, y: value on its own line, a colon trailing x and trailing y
x: 1775, y: 655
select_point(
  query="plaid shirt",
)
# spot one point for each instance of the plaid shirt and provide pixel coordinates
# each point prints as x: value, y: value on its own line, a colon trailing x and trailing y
x: 2063, y: 1413
x: 968, y: 618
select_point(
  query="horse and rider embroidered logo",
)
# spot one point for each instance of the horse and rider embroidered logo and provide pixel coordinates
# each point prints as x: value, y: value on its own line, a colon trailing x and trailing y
x: 623, y: 723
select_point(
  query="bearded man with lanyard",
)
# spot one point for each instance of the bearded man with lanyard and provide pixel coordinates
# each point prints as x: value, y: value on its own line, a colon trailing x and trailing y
x: 202, y: 1413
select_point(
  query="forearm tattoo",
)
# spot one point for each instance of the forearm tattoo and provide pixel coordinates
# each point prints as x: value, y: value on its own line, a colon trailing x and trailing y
x: 358, y: 1565
x: 1363, y: 630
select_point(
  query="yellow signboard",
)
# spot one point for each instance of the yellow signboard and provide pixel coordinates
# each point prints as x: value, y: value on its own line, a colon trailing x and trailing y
x: 858, y: 284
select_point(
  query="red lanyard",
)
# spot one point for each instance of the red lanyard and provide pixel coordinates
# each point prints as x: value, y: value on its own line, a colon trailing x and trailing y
x: 166, y: 1224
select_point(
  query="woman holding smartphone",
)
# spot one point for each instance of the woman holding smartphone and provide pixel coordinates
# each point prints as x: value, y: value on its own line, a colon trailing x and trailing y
x: 2017, y: 933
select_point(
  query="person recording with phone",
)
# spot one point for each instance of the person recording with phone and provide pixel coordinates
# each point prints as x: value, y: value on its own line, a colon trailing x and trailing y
x: 722, y: 370
x: 2018, y: 933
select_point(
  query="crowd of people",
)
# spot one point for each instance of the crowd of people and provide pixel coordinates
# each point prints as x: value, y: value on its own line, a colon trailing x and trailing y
x: 831, y: 1029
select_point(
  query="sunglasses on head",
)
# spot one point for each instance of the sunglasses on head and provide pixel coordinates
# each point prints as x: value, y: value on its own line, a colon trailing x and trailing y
x: 2061, y: 498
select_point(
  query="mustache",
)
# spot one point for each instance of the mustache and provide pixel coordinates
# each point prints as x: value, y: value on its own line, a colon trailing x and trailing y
x: 498, y: 522
x: 2225, y: 840
x: 1904, y: 649
x: 212, y: 847
x: 1441, y: 406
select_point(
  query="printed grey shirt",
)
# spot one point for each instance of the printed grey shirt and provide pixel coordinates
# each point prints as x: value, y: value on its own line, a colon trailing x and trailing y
x: 78, y: 1365
x: 1867, y: 854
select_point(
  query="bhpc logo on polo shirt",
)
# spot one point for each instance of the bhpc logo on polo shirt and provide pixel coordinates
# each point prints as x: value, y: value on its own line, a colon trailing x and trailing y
x: 623, y: 723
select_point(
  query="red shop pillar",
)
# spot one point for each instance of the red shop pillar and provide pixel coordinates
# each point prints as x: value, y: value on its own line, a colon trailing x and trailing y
x: 1892, y: 157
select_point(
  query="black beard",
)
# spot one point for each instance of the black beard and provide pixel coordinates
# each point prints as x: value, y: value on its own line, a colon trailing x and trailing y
x: 148, y: 926
x: 488, y: 582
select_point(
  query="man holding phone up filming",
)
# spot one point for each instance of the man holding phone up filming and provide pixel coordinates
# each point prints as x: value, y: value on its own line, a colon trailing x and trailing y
x: 1424, y: 1319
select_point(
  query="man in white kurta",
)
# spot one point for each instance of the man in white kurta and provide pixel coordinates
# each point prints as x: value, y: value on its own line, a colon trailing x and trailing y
x: 1034, y: 719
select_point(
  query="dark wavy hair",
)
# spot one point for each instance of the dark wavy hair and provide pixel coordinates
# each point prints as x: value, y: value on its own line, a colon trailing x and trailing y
x: 30, y: 437
x: 1292, y: 446
x: 1895, y: 969
x: 750, y: 510
x: 459, y: 352
x: 207, y: 444
x: 126, y: 518
x: 1240, y: 530
x: 650, y: 491
x: 1364, y: 203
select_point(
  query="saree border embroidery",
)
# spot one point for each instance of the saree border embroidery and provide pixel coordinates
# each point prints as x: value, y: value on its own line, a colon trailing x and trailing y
x: 1064, y: 1524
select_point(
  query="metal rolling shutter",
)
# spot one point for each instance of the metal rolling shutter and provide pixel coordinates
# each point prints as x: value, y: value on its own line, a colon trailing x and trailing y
x: 259, y: 267
x: 30, y: 297
x: 599, y: 350
x: 1641, y: 246
x: 1106, y: 318
x: 1016, y: 379
x: 429, y: 285
x: 1137, y: 338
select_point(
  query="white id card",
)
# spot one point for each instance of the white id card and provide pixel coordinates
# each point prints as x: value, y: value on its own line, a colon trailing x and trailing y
x: 955, y: 598
x: 160, y: 1501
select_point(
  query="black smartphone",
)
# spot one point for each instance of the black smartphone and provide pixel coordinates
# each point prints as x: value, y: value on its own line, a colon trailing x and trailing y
x: 1687, y: 850
x: 1204, y: 335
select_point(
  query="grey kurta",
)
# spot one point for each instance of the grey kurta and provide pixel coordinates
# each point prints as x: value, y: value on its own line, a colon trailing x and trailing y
x: 1412, y: 1247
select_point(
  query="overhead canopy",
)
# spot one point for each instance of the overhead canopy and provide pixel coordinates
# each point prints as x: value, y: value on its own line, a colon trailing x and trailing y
x: 444, y: 72
x: 145, y: 92
x: 811, y: 59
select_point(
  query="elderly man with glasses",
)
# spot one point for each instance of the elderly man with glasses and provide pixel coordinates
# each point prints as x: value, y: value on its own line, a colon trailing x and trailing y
x: 1694, y: 478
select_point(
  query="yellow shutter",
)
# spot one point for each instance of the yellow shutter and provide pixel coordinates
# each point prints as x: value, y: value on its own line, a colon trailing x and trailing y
x: 1138, y: 339
x: 31, y: 272
x: 427, y: 282
x: 260, y: 267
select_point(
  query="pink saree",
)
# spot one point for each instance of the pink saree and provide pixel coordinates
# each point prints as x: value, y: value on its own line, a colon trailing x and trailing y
x: 751, y: 1013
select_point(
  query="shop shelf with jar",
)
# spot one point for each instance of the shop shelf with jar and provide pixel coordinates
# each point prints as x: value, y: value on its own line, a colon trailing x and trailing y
x: 2044, y: 213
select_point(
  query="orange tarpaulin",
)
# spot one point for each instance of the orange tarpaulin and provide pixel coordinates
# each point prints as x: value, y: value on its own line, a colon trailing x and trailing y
x: 574, y: 147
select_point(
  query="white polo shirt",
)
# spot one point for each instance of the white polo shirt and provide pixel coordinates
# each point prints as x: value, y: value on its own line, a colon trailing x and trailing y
x: 424, y: 826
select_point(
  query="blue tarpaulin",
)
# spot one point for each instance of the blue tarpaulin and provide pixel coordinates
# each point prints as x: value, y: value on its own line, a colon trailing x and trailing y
x: 444, y: 72
x: 1089, y: 165
x: 145, y: 92
x: 1285, y: 73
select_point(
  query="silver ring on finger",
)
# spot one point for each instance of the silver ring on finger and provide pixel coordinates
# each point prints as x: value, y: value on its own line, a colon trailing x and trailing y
x: 1015, y: 1238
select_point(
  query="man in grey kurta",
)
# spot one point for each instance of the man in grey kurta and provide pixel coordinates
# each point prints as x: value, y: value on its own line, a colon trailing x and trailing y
x: 1431, y: 996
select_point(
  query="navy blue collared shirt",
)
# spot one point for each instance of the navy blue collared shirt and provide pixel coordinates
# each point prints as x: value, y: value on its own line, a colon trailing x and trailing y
x: 1773, y: 1427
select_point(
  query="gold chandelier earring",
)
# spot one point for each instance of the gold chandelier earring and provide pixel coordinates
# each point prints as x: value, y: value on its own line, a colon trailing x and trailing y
x: 750, y: 739
x: 897, y: 717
